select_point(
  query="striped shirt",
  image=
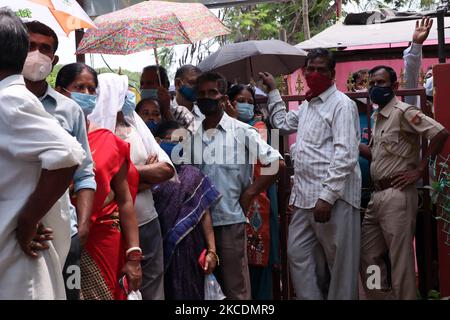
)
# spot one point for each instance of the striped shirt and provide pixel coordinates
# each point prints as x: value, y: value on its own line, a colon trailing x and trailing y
x: 326, y: 152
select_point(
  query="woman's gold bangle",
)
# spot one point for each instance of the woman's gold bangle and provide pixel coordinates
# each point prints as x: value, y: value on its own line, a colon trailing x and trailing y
x: 215, y: 255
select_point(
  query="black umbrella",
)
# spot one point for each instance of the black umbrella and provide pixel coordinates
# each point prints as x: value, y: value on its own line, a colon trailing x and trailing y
x: 242, y: 61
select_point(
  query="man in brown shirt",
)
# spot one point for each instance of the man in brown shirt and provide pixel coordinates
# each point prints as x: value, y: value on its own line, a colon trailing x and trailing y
x: 390, y: 221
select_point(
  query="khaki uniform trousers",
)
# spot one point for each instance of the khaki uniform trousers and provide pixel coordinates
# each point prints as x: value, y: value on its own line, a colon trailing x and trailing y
x: 389, y: 227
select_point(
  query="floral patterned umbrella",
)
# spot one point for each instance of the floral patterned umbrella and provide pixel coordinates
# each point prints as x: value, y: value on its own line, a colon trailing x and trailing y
x: 151, y: 24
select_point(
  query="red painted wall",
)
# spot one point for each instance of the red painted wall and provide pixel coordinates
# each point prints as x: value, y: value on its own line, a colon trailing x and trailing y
x: 441, y: 79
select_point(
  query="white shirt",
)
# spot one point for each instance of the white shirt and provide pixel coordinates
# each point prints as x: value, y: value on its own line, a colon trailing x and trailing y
x: 31, y: 140
x: 326, y: 150
x: 144, y: 204
x: 412, y: 59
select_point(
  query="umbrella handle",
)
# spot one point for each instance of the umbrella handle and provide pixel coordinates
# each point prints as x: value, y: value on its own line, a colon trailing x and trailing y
x: 157, y: 65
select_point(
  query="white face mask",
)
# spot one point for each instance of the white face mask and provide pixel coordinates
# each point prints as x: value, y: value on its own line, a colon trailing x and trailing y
x: 429, y: 86
x: 37, y: 66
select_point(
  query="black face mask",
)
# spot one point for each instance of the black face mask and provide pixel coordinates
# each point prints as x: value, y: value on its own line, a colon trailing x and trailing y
x: 381, y: 95
x: 208, y: 106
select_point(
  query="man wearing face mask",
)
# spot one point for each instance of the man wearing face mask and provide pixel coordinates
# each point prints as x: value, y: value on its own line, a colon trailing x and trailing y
x: 324, y: 233
x: 155, y: 85
x: 390, y: 221
x: 38, y: 65
x: 183, y: 107
x: 226, y: 149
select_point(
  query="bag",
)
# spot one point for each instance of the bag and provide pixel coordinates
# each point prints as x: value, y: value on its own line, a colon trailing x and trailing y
x: 134, y: 295
x: 212, y: 288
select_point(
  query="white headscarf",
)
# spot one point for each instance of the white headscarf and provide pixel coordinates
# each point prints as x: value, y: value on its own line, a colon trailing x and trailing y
x: 151, y: 146
x: 112, y: 89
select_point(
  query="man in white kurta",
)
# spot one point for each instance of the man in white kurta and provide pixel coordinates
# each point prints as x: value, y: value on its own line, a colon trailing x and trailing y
x: 30, y: 140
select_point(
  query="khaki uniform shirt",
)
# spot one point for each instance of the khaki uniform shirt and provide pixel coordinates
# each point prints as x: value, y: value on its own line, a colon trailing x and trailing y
x: 395, y: 143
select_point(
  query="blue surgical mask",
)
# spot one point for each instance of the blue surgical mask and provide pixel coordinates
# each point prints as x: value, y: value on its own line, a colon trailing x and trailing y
x: 152, y: 125
x: 168, y: 148
x: 188, y: 93
x: 85, y: 101
x: 149, y: 94
x: 245, y: 111
x: 130, y: 103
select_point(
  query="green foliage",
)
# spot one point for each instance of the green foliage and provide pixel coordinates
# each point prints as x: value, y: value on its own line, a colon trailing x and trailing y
x: 263, y: 21
x: 166, y: 58
x: 51, y: 79
x: 434, y: 295
x: 440, y: 193
x: 133, y: 77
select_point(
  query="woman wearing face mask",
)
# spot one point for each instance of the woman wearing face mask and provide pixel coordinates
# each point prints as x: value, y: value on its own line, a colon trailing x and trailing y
x: 154, y: 167
x: 149, y: 111
x: 112, y: 249
x: 263, y: 226
x: 242, y: 99
x: 185, y: 222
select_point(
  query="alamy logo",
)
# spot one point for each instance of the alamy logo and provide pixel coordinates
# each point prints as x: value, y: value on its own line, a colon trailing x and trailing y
x: 237, y: 147
x: 74, y: 279
x: 373, y: 282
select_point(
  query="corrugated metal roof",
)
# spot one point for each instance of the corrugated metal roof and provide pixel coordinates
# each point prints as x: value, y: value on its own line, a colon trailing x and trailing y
x: 341, y: 36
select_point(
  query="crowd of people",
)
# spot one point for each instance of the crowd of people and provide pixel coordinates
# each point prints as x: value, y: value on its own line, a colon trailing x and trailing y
x: 105, y: 192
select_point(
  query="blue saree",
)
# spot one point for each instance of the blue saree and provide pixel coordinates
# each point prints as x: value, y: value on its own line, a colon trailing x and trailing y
x: 180, y: 207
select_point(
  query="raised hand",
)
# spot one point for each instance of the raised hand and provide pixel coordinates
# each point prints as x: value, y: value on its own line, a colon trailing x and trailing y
x: 268, y: 80
x: 422, y: 30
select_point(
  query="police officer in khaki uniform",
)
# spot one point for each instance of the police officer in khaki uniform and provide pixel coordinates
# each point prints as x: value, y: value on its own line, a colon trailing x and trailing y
x: 390, y: 222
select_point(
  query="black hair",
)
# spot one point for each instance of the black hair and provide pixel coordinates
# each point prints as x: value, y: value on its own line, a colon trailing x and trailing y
x: 389, y: 70
x: 165, y: 127
x: 214, y: 77
x: 70, y: 72
x: 322, y: 53
x: 142, y: 102
x: 15, y: 42
x: 185, y: 69
x: 162, y: 73
x: 356, y: 76
x: 40, y: 28
x: 234, y: 91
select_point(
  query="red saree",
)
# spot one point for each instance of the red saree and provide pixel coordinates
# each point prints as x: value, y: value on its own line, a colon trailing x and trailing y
x: 104, y: 255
